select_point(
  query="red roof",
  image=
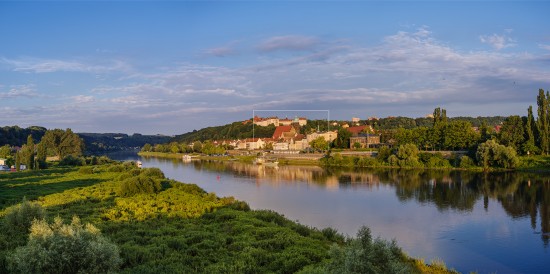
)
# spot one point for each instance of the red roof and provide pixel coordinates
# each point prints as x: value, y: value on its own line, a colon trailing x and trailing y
x: 280, y: 130
x: 356, y: 130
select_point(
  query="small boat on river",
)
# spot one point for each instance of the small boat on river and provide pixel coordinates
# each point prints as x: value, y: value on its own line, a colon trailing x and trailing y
x: 186, y: 158
x: 266, y: 162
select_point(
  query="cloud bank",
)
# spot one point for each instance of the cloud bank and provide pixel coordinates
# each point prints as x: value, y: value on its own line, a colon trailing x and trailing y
x: 407, y: 73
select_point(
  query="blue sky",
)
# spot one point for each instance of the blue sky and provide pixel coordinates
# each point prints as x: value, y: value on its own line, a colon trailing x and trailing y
x: 171, y: 67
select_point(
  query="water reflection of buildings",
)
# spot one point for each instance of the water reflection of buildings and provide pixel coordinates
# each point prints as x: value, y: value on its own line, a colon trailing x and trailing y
x: 312, y: 175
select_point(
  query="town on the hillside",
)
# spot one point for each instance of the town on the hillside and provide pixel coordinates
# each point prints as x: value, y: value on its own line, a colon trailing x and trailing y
x: 287, y: 138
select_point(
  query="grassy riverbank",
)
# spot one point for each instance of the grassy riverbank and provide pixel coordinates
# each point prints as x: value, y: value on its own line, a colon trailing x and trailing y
x: 172, y: 227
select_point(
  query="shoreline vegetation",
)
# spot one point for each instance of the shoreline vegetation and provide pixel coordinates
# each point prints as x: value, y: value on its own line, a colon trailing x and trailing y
x: 427, y: 161
x: 159, y: 225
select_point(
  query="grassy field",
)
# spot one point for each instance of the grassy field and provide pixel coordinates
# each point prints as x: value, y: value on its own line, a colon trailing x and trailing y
x: 177, y: 227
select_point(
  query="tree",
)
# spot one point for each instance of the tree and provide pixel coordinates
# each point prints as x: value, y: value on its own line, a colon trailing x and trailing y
x: 62, y: 248
x: 174, y: 147
x: 529, y: 146
x: 492, y: 154
x: 5, y: 151
x: 63, y: 143
x: 197, y: 146
x: 30, y: 153
x: 512, y: 132
x: 542, y: 121
x: 319, y: 144
x: 147, y: 148
x: 342, y: 141
x: 408, y: 156
x: 41, y: 155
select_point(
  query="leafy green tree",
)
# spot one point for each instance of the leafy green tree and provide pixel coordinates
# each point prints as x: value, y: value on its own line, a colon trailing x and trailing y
x: 197, y: 146
x: 319, y: 144
x: 147, y: 148
x: 408, y: 156
x: 492, y: 154
x: 63, y: 143
x: 174, y: 147
x: 512, y: 132
x: 41, y: 155
x: 5, y: 151
x: 384, y: 153
x: 342, y: 140
x: 62, y: 248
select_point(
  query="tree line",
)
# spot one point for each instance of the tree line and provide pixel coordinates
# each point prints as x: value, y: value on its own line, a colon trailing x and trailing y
x: 59, y: 143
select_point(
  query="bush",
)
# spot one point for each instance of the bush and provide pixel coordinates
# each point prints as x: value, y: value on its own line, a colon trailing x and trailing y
x: 71, y: 160
x: 86, y: 170
x: 365, y: 255
x: 152, y: 172
x: 61, y: 248
x: 18, y: 219
x: 138, y: 184
x: 466, y: 162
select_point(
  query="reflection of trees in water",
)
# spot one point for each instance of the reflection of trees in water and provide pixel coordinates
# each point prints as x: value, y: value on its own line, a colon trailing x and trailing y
x: 520, y: 194
x: 445, y: 189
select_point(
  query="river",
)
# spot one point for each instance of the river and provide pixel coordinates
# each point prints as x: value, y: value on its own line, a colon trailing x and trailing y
x: 489, y: 223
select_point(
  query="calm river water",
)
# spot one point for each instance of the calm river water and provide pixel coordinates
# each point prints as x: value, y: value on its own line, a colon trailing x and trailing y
x: 489, y: 223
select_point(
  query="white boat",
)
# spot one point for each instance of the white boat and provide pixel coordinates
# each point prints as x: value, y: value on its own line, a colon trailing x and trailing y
x: 186, y: 158
x: 138, y: 164
x: 266, y: 162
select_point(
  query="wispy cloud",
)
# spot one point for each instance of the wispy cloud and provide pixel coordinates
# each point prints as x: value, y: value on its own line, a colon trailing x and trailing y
x: 497, y: 41
x: 19, y: 91
x: 83, y: 99
x: 288, y: 42
x: 543, y: 46
x: 220, y: 51
x: 38, y: 65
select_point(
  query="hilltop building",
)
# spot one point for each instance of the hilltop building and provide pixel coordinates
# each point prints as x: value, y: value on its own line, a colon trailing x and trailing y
x: 264, y: 122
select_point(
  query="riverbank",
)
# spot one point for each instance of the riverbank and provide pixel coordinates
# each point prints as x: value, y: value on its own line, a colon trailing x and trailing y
x: 177, y: 227
x: 283, y: 159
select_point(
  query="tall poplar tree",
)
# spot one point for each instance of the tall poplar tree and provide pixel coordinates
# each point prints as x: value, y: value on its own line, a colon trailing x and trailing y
x: 529, y: 146
x: 542, y: 121
x: 29, y: 160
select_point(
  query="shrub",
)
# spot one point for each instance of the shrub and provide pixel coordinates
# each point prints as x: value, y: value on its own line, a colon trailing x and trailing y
x: 365, y: 255
x: 18, y: 219
x: 152, y: 172
x: 61, y: 248
x: 86, y: 170
x: 138, y: 184
x: 466, y: 162
x: 71, y: 160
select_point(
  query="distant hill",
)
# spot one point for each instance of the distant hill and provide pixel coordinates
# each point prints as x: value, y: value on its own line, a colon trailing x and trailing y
x: 241, y: 130
x: 102, y: 142
x: 16, y: 136
x: 94, y: 142
x: 236, y: 130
